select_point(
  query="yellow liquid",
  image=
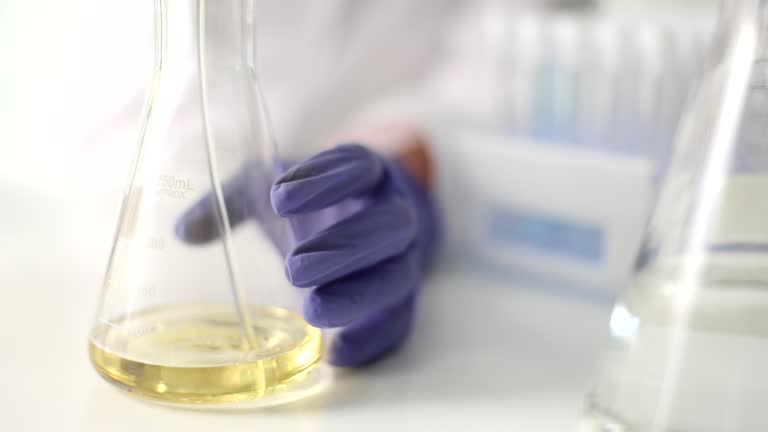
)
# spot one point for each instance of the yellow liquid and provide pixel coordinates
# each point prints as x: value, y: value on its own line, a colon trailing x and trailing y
x: 198, y: 353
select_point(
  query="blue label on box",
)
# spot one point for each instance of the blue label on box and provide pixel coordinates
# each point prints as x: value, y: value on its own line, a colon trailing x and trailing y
x: 546, y: 233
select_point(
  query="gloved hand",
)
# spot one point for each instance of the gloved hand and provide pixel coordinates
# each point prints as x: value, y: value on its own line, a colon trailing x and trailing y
x: 366, y: 231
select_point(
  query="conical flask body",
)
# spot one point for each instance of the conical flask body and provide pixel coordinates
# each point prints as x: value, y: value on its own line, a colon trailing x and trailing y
x: 689, y: 334
x: 195, y: 306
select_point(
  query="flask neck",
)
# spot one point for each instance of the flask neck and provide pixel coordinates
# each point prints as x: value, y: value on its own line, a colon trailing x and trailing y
x: 762, y: 28
x: 220, y: 30
x: 757, y: 11
x: 740, y: 15
x: 740, y: 42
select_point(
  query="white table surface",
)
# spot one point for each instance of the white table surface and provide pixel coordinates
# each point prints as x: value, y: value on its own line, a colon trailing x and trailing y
x: 485, y: 353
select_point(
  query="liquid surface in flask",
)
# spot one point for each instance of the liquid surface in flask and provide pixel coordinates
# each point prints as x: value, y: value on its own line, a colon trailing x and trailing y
x: 685, y: 353
x: 687, y: 364
x: 197, y: 353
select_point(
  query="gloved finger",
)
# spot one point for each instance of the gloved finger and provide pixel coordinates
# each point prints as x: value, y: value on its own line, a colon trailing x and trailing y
x: 200, y: 223
x: 354, y: 297
x: 327, y: 178
x: 382, y: 230
x: 368, y: 340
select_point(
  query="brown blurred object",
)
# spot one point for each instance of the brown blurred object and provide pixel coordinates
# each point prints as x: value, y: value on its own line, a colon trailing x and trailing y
x: 404, y: 143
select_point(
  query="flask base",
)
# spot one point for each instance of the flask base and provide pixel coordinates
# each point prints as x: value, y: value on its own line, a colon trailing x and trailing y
x: 197, y: 355
x: 595, y: 420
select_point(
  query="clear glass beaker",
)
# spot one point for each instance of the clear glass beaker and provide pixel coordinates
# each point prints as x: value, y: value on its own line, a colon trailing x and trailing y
x: 689, y: 335
x: 213, y: 320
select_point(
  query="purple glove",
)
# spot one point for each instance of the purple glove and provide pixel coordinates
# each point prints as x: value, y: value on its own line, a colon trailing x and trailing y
x: 365, y: 231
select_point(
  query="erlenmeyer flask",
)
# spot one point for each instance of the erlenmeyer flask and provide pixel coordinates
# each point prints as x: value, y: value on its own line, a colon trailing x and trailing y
x: 212, y: 321
x: 689, y: 335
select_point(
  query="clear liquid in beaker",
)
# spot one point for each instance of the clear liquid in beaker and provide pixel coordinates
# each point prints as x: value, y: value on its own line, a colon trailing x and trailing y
x: 685, y: 365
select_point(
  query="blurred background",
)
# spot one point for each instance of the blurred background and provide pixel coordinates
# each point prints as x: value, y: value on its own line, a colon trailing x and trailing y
x: 583, y: 73
x: 550, y: 124
x: 590, y: 90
